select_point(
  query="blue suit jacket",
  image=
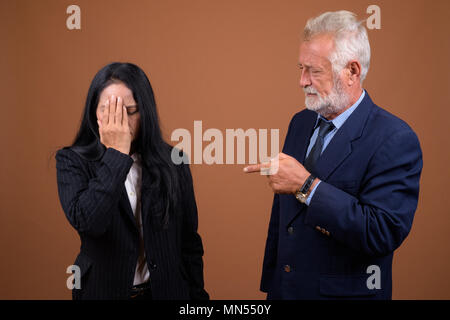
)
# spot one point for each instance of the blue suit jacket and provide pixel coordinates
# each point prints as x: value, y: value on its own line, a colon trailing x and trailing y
x: 360, y: 213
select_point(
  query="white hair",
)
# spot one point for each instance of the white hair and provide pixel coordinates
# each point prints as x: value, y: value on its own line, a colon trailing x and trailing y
x: 350, y: 38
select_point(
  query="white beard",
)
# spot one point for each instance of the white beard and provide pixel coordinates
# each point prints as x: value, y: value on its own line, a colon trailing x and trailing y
x: 333, y: 103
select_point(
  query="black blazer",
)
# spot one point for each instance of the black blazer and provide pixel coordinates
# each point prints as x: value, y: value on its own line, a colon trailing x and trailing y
x: 94, y: 199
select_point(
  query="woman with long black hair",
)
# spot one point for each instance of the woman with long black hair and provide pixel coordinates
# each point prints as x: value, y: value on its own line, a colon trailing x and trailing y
x: 133, y: 208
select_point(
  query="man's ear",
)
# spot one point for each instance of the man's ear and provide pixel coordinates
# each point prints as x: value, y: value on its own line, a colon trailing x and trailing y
x: 354, y: 72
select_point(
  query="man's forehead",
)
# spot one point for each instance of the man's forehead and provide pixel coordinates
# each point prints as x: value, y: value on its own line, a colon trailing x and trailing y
x: 316, y: 49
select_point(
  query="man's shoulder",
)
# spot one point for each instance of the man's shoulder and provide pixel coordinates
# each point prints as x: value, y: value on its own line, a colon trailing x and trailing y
x: 388, y: 132
x: 381, y: 119
x: 302, y: 116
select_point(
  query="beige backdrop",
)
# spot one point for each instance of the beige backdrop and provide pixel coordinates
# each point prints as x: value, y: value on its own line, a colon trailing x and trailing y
x: 231, y: 64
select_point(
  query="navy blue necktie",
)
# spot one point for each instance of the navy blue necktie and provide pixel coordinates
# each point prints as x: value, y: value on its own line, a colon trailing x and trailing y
x: 314, y: 154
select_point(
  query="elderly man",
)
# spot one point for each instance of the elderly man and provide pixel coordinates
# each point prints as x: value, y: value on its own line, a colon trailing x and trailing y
x: 347, y: 182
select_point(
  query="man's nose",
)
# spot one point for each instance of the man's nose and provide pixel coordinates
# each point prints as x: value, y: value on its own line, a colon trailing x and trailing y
x: 305, y: 79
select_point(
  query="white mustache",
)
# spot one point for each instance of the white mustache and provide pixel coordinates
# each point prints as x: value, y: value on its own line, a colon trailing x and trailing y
x: 310, y: 90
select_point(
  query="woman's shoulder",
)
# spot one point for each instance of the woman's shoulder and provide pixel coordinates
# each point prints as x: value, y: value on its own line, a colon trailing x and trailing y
x: 67, y: 154
x: 88, y: 153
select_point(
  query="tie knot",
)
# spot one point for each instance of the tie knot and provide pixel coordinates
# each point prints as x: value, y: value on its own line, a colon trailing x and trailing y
x: 325, y: 127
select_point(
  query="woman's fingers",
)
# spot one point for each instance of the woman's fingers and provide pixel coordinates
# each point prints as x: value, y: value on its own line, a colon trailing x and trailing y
x: 119, y: 108
x: 113, y: 126
x: 105, y: 114
x: 112, y: 110
x: 124, y: 117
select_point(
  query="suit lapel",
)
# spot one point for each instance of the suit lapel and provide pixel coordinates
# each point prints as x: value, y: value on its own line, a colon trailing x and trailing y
x: 335, y: 153
x: 124, y: 203
x: 151, y: 201
x: 340, y: 147
x: 302, y: 135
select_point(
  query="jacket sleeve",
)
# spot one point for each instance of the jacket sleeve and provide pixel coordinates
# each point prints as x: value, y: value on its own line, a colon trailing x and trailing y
x: 378, y: 220
x: 87, y: 202
x: 191, y: 244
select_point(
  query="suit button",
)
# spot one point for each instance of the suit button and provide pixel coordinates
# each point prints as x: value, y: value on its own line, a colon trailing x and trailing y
x: 287, y: 268
x: 290, y: 230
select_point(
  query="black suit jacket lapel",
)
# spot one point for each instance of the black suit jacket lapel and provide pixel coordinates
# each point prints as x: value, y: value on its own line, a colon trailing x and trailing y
x: 152, y: 204
x: 124, y: 203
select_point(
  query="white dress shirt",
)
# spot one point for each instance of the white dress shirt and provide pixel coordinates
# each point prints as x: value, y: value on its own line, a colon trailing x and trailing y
x: 133, y: 185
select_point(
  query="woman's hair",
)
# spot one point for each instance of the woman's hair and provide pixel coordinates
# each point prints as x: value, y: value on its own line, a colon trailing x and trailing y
x: 155, y: 152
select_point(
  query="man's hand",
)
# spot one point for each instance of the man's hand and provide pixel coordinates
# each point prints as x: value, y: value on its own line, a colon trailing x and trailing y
x: 113, y: 128
x: 289, y: 177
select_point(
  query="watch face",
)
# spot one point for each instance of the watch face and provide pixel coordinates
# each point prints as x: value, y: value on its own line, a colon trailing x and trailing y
x: 300, y: 197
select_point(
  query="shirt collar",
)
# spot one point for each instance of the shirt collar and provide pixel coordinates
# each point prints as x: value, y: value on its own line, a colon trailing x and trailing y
x: 340, y: 119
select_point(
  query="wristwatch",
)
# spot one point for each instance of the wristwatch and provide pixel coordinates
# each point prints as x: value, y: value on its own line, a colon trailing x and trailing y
x: 302, y: 193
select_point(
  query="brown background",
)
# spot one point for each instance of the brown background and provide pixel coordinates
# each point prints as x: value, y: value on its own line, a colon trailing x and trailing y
x: 231, y: 64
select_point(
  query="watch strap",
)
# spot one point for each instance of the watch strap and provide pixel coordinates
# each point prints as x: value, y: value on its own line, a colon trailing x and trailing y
x: 307, y: 185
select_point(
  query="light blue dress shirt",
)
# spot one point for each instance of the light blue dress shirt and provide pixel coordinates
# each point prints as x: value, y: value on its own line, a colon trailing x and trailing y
x: 337, y: 122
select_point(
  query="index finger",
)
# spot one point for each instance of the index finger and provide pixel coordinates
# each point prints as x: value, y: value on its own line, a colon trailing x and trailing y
x: 253, y: 168
x: 256, y: 167
x: 282, y: 156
